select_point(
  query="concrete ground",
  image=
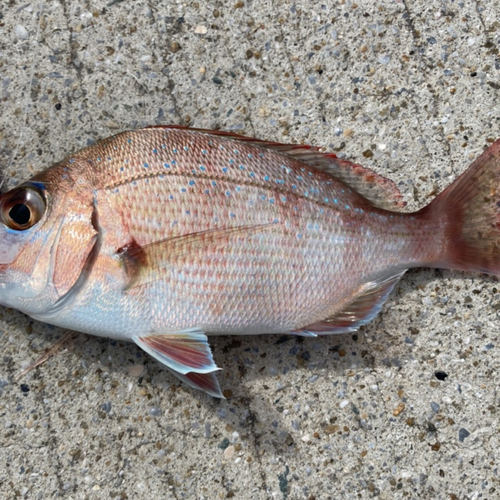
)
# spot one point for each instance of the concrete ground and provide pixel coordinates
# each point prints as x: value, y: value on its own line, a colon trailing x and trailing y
x: 406, y: 408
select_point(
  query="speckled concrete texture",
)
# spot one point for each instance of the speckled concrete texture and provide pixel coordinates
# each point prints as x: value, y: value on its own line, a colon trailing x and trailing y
x: 406, y: 408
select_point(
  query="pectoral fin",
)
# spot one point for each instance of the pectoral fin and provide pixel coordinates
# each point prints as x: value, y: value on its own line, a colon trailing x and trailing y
x: 148, y: 263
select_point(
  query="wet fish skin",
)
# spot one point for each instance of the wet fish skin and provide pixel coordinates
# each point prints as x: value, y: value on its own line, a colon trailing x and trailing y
x: 163, y: 235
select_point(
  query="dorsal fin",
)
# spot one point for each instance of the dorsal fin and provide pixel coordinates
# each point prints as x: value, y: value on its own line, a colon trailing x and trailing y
x: 380, y: 191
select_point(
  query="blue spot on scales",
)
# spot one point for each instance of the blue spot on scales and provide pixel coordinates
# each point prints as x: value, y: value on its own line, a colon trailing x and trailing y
x: 191, y: 183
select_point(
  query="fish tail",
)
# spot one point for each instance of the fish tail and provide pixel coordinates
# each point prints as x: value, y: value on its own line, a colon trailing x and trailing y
x: 468, y: 215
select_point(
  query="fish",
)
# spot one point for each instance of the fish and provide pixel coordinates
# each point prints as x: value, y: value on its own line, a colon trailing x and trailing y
x: 165, y: 235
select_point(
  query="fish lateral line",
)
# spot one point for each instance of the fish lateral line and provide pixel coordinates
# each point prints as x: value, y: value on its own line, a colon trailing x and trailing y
x: 278, y: 190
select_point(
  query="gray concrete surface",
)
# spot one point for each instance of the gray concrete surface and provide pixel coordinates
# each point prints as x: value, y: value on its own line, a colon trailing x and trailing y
x: 409, y: 89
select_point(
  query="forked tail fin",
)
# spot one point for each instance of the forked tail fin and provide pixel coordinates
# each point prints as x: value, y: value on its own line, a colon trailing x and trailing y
x: 470, y: 213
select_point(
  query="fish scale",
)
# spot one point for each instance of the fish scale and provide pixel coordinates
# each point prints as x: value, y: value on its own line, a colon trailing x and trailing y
x: 164, y: 235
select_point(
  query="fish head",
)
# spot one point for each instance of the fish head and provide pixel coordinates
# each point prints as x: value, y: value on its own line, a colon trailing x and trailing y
x: 47, y: 232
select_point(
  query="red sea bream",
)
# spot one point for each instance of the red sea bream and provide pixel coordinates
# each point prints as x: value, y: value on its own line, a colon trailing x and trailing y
x: 165, y: 235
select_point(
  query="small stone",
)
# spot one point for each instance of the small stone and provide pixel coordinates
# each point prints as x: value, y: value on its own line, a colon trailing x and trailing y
x: 208, y: 430
x: 106, y: 407
x: 229, y: 452
x: 175, y: 47
x: 155, y: 411
x: 398, y: 410
x: 436, y: 446
x: 200, y: 30
x: 462, y: 434
x: 263, y: 112
x: 22, y: 32
x: 306, y: 438
x: 224, y: 444
x: 330, y: 429
x: 135, y: 370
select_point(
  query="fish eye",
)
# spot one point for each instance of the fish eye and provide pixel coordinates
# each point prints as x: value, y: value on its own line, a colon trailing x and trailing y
x: 22, y: 208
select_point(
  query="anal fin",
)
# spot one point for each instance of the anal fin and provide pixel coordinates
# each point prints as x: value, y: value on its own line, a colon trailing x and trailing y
x: 359, y: 309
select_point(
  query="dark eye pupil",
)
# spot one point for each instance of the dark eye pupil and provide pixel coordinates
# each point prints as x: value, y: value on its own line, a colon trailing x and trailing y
x: 20, y: 214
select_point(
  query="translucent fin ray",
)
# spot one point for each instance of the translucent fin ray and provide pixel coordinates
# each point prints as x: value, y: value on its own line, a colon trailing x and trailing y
x: 182, y: 352
x: 364, y: 306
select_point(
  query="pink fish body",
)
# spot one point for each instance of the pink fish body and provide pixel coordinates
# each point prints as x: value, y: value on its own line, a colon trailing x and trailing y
x: 164, y: 235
